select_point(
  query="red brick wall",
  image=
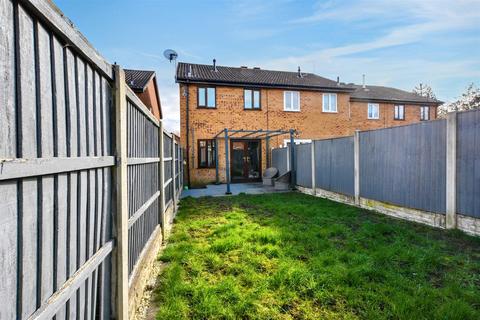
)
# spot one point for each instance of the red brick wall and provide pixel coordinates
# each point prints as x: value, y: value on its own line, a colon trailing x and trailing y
x: 149, y: 98
x: 310, y: 122
x: 386, y: 119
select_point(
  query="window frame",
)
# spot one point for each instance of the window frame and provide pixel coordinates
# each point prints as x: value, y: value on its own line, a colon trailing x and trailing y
x: 252, y: 95
x: 206, y: 97
x: 329, y: 100
x: 422, y: 118
x: 199, y: 150
x: 291, y: 100
x: 368, y: 111
x: 395, y: 117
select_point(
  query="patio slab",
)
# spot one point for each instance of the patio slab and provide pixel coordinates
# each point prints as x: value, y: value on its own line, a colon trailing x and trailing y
x: 236, y: 188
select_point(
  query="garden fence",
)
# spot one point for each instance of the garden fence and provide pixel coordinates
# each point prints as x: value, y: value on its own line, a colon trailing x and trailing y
x: 82, y: 194
x: 431, y: 166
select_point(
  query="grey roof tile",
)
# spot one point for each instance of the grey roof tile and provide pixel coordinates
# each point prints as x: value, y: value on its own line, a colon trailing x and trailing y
x: 254, y: 76
x: 388, y: 94
x: 137, y: 80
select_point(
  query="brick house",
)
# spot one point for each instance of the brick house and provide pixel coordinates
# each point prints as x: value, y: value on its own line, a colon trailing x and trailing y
x: 216, y: 97
x: 144, y: 84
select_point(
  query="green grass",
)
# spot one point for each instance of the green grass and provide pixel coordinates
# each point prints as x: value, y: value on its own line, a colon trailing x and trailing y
x: 293, y: 256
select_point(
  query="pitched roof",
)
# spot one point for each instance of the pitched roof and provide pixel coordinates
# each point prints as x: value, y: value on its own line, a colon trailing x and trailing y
x: 137, y: 80
x: 380, y: 93
x: 255, y: 77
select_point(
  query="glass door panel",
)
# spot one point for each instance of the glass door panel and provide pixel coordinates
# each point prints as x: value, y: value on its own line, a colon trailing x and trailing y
x: 237, y: 160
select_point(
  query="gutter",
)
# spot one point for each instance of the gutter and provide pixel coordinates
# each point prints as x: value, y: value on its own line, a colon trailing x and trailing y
x: 396, y: 101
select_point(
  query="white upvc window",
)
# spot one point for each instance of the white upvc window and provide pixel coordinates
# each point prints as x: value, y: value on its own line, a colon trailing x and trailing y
x: 373, y: 111
x: 291, y: 101
x: 424, y: 113
x: 329, y: 102
x: 399, y: 112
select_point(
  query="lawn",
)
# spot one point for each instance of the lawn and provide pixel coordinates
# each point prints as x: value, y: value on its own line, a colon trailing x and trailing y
x: 294, y: 256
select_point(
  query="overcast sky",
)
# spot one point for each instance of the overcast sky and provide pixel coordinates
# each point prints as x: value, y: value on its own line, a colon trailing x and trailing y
x: 397, y: 43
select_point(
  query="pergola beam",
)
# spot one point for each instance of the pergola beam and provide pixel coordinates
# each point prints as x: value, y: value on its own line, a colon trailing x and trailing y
x: 262, y: 134
x: 253, y: 134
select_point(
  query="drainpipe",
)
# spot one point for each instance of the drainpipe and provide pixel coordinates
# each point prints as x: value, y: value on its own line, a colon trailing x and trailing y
x: 187, y: 129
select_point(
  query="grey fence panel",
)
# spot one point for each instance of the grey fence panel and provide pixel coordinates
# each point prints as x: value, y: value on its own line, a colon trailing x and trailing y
x: 280, y: 160
x: 303, y: 164
x: 177, y: 167
x: 334, y: 165
x: 405, y: 165
x: 168, y: 168
x: 468, y: 163
x: 142, y: 176
x: 54, y: 219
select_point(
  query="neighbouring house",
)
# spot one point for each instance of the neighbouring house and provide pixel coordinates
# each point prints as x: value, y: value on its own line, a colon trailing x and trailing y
x: 216, y: 97
x: 144, y: 84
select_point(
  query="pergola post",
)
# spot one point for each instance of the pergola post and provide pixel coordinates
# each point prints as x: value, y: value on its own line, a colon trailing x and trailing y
x: 227, y: 162
x: 217, y: 179
x: 267, y: 147
x: 293, y: 173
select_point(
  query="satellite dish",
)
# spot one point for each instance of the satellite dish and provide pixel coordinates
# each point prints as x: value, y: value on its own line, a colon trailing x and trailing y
x: 170, y: 54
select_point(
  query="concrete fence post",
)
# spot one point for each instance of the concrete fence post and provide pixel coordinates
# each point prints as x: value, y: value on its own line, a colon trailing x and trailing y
x: 120, y: 275
x: 314, y: 185
x: 451, y: 171
x: 161, y: 181
x: 356, y: 166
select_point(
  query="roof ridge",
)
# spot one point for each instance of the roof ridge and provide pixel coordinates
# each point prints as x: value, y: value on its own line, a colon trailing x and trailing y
x: 256, y: 68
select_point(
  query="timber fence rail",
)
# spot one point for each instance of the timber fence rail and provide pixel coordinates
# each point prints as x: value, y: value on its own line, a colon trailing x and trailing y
x: 427, y: 172
x: 83, y: 199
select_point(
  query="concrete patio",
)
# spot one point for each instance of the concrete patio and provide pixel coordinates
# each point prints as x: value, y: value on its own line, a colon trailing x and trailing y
x: 236, y: 188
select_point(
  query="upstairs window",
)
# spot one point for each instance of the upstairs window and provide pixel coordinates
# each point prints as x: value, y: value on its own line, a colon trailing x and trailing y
x: 291, y: 101
x: 206, y: 153
x: 206, y: 97
x: 424, y: 113
x: 329, y: 102
x: 251, y: 99
x: 399, y: 112
x: 373, y: 111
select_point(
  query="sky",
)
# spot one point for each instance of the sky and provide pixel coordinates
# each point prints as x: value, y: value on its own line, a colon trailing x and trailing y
x: 398, y: 43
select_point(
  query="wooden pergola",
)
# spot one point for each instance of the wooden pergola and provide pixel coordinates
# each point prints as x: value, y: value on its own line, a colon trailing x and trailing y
x: 262, y: 134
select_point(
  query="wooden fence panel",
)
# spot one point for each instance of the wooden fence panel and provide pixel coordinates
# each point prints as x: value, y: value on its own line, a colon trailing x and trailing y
x: 56, y: 179
x: 303, y: 164
x: 280, y: 160
x: 143, y: 185
x: 468, y: 163
x: 53, y: 212
x: 405, y: 165
x: 334, y: 165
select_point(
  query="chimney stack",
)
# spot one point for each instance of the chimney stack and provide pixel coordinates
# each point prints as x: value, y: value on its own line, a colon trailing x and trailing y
x: 214, y: 65
x: 299, y: 72
x: 338, y: 80
x: 363, y: 85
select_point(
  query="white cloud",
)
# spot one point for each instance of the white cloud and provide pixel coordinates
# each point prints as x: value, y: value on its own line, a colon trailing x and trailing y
x: 415, y: 22
x: 439, y: 10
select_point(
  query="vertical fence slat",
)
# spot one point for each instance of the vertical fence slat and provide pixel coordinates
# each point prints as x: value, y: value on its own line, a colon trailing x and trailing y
x: 8, y: 190
x: 46, y: 231
x: 28, y: 143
